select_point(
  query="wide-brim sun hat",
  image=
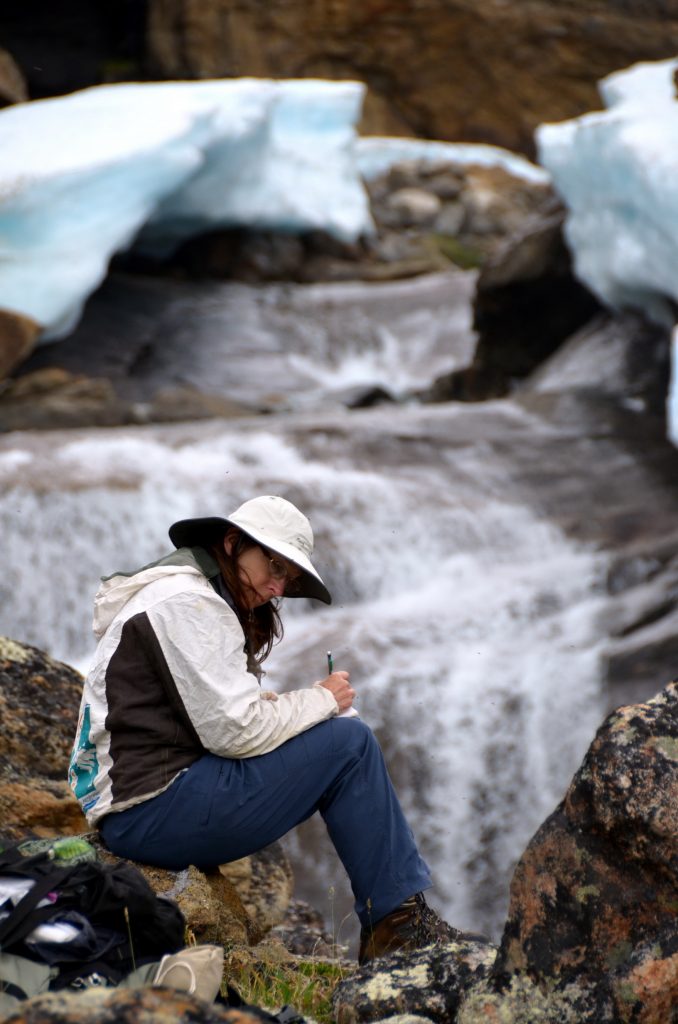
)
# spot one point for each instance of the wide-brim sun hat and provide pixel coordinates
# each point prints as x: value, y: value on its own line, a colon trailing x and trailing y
x: 271, y: 521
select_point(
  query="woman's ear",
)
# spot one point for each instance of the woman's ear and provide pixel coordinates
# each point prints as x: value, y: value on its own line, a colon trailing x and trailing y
x: 229, y: 541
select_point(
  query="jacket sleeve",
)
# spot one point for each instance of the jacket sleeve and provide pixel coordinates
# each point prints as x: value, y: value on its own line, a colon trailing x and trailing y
x: 202, y: 643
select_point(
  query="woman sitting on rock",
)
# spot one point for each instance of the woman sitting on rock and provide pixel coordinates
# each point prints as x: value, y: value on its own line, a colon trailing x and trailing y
x: 180, y: 758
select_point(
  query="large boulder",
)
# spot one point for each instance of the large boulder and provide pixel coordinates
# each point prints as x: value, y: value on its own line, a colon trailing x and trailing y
x: 39, y: 701
x: 594, y: 898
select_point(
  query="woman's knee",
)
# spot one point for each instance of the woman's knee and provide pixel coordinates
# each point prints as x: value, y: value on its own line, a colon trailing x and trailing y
x: 353, y: 734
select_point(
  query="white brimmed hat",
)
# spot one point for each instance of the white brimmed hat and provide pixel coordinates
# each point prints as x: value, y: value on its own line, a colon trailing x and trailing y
x: 273, y: 522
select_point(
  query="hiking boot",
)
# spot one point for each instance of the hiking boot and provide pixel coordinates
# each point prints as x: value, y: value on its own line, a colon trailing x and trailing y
x: 410, y: 926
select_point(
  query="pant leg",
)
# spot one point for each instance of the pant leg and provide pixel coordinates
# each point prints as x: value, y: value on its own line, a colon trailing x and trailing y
x: 222, y: 809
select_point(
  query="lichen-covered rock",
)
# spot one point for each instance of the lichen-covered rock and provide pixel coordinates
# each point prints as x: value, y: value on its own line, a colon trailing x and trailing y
x: 265, y: 883
x: 126, y: 1006
x: 39, y: 701
x: 429, y: 982
x: 525, y: 1002
x: 595, y: 895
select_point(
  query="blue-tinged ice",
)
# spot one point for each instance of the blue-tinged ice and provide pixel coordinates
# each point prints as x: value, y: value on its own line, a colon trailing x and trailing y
x: 81, y: 175
x: 617, y: 171
x: 376, y: 154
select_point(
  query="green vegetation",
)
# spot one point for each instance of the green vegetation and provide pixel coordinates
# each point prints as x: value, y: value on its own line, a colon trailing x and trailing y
x: 273, y: 978
x: 468, y: 257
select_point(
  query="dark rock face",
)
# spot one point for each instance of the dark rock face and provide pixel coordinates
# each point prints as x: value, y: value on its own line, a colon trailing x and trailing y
x: 595, y: 894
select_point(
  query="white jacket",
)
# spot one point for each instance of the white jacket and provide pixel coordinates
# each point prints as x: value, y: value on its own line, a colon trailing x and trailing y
x: 168, y: 683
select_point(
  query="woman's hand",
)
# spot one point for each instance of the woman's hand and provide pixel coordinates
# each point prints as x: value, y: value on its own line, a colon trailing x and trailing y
x: 340, y: 688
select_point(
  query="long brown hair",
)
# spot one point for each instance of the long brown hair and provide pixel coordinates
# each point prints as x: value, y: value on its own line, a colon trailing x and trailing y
x: 262, y: 625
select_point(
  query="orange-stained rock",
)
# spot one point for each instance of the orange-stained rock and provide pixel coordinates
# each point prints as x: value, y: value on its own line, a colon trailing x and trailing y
x: 595, y: 895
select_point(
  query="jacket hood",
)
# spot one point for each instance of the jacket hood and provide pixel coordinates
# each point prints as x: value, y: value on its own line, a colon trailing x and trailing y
x: 117, y: 590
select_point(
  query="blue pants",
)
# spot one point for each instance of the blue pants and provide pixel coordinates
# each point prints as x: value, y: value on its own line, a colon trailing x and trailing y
x: 222, y: 809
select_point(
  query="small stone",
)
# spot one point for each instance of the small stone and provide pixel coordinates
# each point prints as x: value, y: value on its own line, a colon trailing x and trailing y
x: 414, y: 206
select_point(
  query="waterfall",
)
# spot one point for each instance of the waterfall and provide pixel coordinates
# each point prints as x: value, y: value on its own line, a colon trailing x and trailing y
x: 470, y: 624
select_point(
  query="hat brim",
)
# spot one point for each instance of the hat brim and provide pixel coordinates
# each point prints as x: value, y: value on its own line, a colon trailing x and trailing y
x: 188, y: 533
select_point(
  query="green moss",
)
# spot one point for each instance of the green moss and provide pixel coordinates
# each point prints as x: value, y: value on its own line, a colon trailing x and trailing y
x: 465, y: 256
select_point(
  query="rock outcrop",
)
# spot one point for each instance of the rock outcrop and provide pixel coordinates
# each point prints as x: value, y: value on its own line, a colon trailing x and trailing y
x: 594, y: 898
x: 39, y: 701
x: 430, y: 983
x: 592, y: 929
x: 451, y: 69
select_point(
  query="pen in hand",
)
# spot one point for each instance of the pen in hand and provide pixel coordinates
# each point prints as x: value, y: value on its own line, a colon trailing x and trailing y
x: 330, y: 663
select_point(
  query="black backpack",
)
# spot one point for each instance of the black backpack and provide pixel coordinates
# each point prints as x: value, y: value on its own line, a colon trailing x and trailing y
x: 121, y: 922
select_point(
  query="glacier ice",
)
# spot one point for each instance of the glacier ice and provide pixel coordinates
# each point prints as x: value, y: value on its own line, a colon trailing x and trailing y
x: 83, y: 174
x: 616, y: 170
x: 376, y: 154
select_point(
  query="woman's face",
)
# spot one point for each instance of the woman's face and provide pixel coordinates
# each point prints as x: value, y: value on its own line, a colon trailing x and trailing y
x: 264, y: 575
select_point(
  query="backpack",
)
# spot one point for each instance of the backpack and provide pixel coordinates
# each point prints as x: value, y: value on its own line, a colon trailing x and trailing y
x: 72, y: 921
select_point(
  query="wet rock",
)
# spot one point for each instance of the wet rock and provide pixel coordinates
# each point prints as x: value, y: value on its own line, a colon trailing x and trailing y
x: 53, y: 398
x: 126, y: 1006
x: 430, y: 982
x: 18, y: 334
x: 594, y: 898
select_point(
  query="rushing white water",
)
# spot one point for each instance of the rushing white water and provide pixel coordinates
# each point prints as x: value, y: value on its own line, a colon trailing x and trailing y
x: 471, y: 624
